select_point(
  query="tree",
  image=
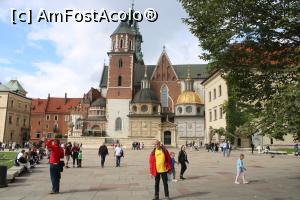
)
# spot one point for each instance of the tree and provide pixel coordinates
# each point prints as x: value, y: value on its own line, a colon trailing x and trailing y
x: 256, y: 42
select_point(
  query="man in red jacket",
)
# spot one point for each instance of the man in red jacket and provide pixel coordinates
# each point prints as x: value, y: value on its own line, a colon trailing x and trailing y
x: 160, y: 165
x: 56, y: 154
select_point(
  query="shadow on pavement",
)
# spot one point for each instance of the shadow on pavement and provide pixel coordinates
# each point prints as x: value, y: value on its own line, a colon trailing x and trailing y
x: 195, y: 177
x: 194, y: 194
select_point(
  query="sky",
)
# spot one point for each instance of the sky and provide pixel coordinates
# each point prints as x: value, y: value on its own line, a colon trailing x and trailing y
x: 59, y: 58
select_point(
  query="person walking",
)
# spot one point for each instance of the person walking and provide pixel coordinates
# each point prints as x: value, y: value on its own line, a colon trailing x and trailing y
x: 160, y: 165
x: 118, y: 154
x: 173, y: 162
x: 103, y: 152
x: 182, y: 159
x: 240, y: 168
x: 56, y: 153
x: 79, y: 159
x: 252, y: 148
x: 68, y: 153
x: 75, y: 151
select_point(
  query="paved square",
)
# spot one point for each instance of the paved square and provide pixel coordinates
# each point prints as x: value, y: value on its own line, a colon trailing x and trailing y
x: 209, y: 176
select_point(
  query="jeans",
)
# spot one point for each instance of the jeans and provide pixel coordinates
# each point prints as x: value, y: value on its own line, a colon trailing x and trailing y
x: 173, y: 172
x: 55, y: 177
x: 102, y: 160
x: 164, y: 177
x: 118, y: 161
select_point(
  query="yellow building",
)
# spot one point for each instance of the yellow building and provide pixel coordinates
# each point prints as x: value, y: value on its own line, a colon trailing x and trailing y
x: 216, y: 94
x: 14, y: 113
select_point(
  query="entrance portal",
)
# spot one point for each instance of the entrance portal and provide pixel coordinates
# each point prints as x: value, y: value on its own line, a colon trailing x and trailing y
x: 167, y: 138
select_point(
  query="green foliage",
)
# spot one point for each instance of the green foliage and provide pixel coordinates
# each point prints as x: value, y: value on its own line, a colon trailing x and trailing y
x: 7, y: 158
x: 58, y: 136
x: 255, y: 42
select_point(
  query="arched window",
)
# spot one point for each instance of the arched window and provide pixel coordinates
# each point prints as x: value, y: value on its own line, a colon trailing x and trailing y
x: 120, y: 81
x: 164, y: 96
x: 118, y: 124
x: 130, y: 45
x: 121, y: 43
x: 120, y: 63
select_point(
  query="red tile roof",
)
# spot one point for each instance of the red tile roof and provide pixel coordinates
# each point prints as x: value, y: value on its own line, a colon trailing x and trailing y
x: 55, y: 105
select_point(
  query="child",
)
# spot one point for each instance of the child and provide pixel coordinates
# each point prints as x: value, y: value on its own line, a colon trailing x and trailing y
x: 79, y: 159
x: 240, y: 169
x: 172, y: 154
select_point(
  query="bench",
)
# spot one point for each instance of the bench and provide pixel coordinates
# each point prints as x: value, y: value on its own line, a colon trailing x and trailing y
x: 14, y: 172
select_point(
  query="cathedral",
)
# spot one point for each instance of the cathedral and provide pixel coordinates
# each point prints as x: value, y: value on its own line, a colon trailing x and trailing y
x: 146, y: 102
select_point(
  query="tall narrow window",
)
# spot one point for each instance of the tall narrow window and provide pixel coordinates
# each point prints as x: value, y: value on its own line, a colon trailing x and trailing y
x: 120, y: 81
x: 120, y: 63
x: 118, y: 126
x: 164, y: 96
x: 130, y: 45
x: 210, y: 116
x: 220, y: 90
x: 221, y: 112
x: 215, y: 114
x: 209, y: 94
x: 121, y: 43
x: 215, y: 93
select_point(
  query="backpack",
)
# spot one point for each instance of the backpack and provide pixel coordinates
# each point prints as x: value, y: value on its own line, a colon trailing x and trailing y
x: 122, y: 153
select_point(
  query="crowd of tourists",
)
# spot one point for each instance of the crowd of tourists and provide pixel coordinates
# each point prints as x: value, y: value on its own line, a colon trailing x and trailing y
x: 162, y: 163
x: 137, y: 146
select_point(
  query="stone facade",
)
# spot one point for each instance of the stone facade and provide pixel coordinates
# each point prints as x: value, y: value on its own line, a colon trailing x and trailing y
x: 215, y: 96
x: 14, y: 114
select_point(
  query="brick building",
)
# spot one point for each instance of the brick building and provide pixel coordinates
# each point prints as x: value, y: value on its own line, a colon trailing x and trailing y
x: 121, y: 83
x: 55, y: 115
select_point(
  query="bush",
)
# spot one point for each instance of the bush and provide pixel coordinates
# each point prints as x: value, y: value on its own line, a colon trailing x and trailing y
x: 58, y: 136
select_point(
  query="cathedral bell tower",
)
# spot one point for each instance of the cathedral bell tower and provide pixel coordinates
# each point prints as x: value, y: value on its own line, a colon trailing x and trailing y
x: 124, y: 54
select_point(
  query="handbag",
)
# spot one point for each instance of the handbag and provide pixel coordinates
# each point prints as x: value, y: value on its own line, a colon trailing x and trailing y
x: 61, y: 165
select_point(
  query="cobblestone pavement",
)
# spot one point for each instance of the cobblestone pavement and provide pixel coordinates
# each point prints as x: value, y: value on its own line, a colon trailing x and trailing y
x: 209, y: 176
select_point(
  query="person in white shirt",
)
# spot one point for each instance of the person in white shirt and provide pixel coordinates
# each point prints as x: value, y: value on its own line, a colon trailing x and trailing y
x: 259, y: 149
x: 118, y: 153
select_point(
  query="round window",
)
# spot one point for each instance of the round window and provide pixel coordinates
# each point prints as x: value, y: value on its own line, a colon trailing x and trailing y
x: 189, y: 109
x: 144, y: 108
x: 179, y: 109
x: 134, y: 108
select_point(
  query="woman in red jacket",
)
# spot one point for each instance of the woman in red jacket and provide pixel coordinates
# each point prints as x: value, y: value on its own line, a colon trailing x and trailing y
x: 160, y: 165
x: 56, y: 154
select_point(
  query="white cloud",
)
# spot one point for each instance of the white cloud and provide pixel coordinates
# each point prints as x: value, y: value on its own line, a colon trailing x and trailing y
x: 4, y: 61
x: 82, y: 48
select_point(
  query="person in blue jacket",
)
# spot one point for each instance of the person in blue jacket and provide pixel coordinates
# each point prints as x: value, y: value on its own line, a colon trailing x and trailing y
x: 240, y: 170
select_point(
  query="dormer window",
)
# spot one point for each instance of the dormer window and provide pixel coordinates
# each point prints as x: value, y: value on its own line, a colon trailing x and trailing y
x: 130, y: 45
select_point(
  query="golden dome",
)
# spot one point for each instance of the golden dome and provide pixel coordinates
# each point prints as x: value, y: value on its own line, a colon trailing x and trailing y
x: 188, y: 97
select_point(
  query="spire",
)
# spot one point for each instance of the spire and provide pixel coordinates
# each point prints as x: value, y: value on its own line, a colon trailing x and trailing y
x: 189, y: 82
x: 145, y: 74
x: 132, y: 5
x: 145, y: 81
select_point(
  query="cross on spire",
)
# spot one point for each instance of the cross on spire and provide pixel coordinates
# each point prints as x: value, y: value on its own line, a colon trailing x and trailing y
x: 132, y: 5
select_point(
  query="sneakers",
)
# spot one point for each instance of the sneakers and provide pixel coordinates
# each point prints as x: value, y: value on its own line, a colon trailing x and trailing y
x: 245, y: 182
x: 155, y: 198
x: 174, y: 180
x: 236, y: 182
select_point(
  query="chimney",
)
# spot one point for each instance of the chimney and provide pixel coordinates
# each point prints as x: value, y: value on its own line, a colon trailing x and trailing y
x: 66, y: 98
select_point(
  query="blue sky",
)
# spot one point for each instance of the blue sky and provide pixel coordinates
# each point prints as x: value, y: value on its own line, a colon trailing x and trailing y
x: 68, y: 57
